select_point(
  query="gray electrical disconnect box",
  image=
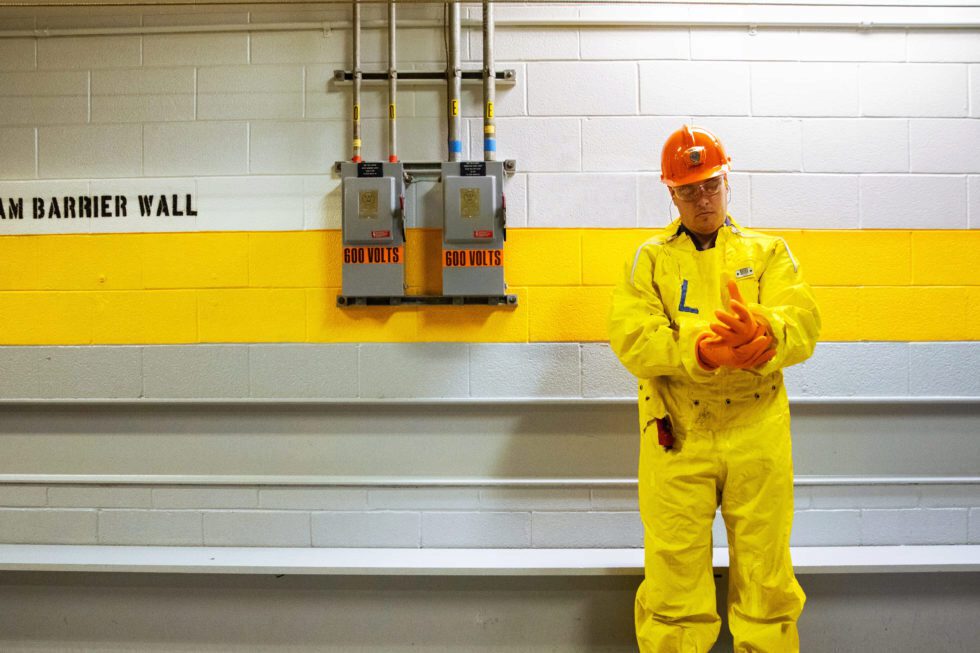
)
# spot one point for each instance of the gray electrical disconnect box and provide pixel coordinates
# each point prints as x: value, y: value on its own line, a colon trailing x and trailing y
x: 373, y: 224
x: 474, y: 228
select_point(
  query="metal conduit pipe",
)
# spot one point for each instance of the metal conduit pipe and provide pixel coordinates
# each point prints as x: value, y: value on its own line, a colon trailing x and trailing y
x: 375, y: 481
x: 882, y: 401
x: 454, y: 78
x: 356, y: 157
x: 557, y: 23
x: 735, y: 3
x: 392, y: 86
x: 489, y: 85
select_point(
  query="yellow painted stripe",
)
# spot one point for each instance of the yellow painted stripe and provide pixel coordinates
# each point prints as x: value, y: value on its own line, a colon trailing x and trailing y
x: 896, y: 285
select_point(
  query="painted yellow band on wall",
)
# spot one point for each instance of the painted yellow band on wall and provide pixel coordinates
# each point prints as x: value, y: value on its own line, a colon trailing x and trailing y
x: 281, y: 287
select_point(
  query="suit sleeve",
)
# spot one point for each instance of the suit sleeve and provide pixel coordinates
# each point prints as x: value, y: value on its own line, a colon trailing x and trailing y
x: 641, y: 333
x: 787, y: 303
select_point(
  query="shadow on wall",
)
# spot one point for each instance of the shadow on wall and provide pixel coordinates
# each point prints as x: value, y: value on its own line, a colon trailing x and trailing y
x: 160, y: 612
x: 329, y: 208
x: 877, y: 613
x: 563, y: 440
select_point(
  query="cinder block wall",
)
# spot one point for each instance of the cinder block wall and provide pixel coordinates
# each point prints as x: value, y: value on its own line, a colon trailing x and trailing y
x: 861, y: 147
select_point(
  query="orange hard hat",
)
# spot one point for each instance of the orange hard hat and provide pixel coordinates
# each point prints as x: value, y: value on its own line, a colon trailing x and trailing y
x: 690, y: 155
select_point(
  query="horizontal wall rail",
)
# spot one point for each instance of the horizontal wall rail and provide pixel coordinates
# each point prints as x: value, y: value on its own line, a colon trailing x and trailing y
x: 417, y: 482
x: 451, y: 562
x: 395, y: 402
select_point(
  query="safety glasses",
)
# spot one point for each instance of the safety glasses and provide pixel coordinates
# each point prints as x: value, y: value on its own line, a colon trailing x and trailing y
x: 690, y: 192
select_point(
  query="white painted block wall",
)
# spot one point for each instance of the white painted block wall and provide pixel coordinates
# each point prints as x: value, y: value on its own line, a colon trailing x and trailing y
x: 829, y: 128
x: 804, y: 111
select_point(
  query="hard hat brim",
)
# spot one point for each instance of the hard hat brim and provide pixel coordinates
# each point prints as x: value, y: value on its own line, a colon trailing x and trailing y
x: 695, y: 177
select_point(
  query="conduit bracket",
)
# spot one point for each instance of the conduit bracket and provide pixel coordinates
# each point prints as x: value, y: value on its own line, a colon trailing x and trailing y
x: 344, y: 77
x: 347, y: 301
x: 430, y: 170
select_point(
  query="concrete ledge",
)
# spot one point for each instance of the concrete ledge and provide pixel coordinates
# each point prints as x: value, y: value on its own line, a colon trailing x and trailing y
x: 452, y: 562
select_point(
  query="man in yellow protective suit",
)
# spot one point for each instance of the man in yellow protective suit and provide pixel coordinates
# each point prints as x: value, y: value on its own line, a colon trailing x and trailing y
x: 706, y: 317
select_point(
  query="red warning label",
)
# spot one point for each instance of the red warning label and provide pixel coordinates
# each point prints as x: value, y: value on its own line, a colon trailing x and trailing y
x: 374, y: 254
x: 472, y: 258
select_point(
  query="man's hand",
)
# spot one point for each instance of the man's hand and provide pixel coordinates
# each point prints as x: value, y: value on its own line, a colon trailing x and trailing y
x: 739, y: 327
x: 740, y: 341
x: 713, y: 352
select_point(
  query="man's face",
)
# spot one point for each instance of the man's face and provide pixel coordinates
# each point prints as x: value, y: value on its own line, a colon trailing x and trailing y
x: 704, y: 205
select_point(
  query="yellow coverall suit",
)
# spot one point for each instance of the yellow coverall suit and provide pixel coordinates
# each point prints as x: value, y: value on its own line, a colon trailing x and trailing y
x: 732, y: 438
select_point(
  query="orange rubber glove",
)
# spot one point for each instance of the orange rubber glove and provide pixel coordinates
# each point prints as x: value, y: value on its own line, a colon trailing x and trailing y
x: 756, y: 353
x: 739, y: 327
x: 713, y: 352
